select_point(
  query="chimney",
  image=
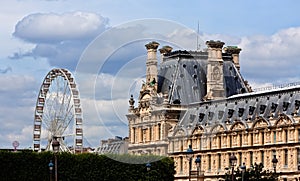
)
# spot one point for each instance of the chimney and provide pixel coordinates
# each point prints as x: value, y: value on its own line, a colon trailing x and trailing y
x: 215, y: 78
x: 164, y: 50
x: 235, y: 53
x: 151, y: 64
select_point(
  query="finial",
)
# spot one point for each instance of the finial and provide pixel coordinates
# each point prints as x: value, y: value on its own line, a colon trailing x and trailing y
x: 131, y: 102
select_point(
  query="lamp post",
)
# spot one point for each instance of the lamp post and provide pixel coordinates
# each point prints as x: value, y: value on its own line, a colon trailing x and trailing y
x: 197, y: 161
x: 274, y: 161
x: 50, y: 169
x: 55, y: 146
x: 148, y: 166
x: 190, y: 154
x: 233, y: 161
x: 243, y: 168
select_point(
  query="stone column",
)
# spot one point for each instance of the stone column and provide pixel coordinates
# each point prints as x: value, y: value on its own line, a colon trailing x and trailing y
x: 151, y: 64
x: 132, y: 135
x: 215, y: 79
x: 296, y: 134
x: 164, y: 50
x: 260, y: 137
x: 234, y: 51
x: 140, y: 132
x: 250, y: 139
x: 228, y: 140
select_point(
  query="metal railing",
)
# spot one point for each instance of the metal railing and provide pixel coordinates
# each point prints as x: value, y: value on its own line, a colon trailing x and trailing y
x: 276, y: 87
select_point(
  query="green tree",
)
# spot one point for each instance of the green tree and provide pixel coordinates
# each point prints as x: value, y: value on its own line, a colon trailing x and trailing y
x: 31, y: 166
x: 255, y: 173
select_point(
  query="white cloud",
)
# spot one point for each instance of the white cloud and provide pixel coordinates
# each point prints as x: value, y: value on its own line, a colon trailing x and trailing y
x: 271, y: 59
x: 60, y: 38
x: 52, y: 27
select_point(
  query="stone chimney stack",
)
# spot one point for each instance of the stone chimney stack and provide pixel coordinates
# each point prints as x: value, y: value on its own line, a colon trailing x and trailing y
x: 215, y: 77
x: 235, y: 53
x: 164, y: 50
x: 151, y: 64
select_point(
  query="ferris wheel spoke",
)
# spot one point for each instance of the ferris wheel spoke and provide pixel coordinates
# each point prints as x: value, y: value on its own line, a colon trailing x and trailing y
x: 66, y: 120
x: 56, y: 113
x: 64, y: 98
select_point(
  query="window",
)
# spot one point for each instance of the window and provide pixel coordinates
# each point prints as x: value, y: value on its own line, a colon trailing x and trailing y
x: 173, y: 146
x: 181, y: 145
x: 133, y: 136
x: 240, y: 159
x: 273, y: 153
x: 180, y: 164
x: 219, y: 161
x: 286, y: 157
x: 150, y: 134
x: 251, y: 157
x: 262, y: 154
x: 298, y: 158
x: 190, y: 143
x: 159, y: 132
x: 263, y: 138
x: 274, y: 136
x: 200, y: 143
x: 286, y: 136
x: 220, y: 141
x: 209, y: 162
x: 241, y: 139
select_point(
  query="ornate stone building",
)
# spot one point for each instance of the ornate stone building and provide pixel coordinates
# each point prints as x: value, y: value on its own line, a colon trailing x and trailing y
x: 199, y: 98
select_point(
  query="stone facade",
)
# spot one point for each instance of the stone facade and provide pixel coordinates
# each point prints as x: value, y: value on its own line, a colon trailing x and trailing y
x: 200, y: 99
x: 117, y: 145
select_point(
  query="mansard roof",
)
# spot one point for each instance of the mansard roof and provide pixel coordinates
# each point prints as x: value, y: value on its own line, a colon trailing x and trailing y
x: 183, y: 75
x: 248, y: 108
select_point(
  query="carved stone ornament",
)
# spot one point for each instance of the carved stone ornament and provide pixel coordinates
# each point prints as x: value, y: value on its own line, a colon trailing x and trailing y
x: 152, y: 45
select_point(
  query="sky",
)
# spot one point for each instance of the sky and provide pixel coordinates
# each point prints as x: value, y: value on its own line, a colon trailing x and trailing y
x: 101, y: 42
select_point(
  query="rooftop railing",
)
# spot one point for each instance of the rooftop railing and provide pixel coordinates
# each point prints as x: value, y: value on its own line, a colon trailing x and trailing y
x: 276, y: 87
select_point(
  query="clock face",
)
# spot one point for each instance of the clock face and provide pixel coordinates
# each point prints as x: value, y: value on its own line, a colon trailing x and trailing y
x: 15, y: 144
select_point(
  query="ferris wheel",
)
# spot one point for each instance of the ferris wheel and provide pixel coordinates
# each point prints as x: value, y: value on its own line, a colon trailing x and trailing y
x: 58, y: 114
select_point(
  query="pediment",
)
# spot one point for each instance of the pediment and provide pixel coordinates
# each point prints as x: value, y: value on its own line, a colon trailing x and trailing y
x: 260, y: 124
x: 283, y: 122
x: 238, y: 127
x: 217, y: 129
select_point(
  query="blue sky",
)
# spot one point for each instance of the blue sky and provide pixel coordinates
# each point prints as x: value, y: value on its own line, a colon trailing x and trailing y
x: 102, y: 44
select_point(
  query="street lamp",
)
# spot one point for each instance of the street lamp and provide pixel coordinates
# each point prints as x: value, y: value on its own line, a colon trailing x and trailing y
x: 274, y: 161
x: 55, y: 146
x: 148, y: 166
x: 190, y: 154
x: 197, y: 161
x: 243, y: 167
x: 51, y: 165
x: 233, y: 161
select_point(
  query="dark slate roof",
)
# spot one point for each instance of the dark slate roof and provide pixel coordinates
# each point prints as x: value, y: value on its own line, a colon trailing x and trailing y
x: 242, y: 107
x: 183, y: 75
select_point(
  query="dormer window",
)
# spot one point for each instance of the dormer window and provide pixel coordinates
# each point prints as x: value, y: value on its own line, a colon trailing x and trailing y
x: 251, y: 110
x: 262, y: 109
x: 285, y: 106
x: 220, y: 114
x: 230, y: 113
x: 241, y: 112
x: 201, y: 117
x: 274, y: 107
x: 297, y: 104
x: 210, y: 115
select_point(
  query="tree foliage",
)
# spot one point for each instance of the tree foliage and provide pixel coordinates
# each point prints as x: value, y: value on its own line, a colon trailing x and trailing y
x: 34, y: 166
x: 255, y: 173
